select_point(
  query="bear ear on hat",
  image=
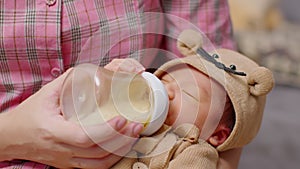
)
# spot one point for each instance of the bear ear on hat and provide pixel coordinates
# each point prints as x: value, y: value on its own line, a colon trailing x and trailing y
x: 188, y: 42
x: 261, y: 81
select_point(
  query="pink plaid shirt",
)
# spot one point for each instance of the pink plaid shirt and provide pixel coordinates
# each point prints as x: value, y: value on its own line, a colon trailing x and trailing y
x: 40, y: 39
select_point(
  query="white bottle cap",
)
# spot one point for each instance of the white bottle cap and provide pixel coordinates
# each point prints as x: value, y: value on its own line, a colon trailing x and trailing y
x: 160, y: 105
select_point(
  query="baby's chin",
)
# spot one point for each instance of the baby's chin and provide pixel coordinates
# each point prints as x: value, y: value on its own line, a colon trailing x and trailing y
x: 171, y: 119
x: 175, y: 123
x: 169, y: 122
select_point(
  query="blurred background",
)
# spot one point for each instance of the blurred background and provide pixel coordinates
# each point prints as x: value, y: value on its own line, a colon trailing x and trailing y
x: 268, y: 31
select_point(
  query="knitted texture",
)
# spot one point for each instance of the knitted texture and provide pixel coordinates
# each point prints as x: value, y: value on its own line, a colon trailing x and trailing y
x: 174, y: 149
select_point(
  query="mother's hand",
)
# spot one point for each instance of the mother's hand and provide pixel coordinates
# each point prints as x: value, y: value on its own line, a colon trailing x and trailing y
x: 36, y: 131
x: 125, y: 65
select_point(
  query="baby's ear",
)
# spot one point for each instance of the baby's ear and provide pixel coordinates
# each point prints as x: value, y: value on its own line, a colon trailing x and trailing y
x: 219, y: 136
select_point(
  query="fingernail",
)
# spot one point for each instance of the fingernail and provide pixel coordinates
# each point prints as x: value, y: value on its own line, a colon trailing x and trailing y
x: 121, y: 122
x: 137, y: 129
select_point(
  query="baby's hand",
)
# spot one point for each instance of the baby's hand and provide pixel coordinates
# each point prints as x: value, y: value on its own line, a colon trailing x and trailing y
x: 125, y: 65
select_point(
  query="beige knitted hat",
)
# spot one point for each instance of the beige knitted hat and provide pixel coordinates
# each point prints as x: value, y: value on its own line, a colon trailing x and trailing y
x: 246, y: 83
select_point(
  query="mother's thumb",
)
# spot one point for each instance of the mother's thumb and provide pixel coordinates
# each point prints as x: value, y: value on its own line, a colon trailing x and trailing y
x: 56, y: 84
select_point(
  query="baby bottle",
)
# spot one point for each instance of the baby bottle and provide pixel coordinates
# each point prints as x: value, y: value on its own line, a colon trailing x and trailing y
x: 92, y: 95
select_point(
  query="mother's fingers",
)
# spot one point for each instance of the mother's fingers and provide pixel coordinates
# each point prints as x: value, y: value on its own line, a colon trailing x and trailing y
x: 125, y: 65
x: 125, y: 137
x: 97, y: 152
x: 86, y: 136
x: 57, y: 83
x: 107, y: 132
x: 131, y: 65
x: 101, y: 162
x: 120, y: 144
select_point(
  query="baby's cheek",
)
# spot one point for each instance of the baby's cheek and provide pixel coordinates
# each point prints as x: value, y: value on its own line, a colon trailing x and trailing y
x: 169, y: 120
x: 174, y: 110
x: 170, y: 117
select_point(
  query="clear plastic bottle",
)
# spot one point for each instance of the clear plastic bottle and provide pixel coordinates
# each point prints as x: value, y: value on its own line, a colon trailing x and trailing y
x: 93, y: 95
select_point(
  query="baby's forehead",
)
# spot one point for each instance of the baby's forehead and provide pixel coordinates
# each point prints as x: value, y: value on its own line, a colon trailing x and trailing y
x: 185, y: 73
x: 192, y: 79
x: 188, y: 78
x: 182, y: 69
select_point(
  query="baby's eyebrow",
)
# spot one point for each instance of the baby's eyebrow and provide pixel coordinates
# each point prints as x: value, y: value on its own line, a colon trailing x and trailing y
x: 190, y: 95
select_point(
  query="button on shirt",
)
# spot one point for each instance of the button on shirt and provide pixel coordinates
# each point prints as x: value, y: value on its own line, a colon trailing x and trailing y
x: 139, y: 165
x: 55, y: 72
x: 40, y: 39
x: 50, y: 2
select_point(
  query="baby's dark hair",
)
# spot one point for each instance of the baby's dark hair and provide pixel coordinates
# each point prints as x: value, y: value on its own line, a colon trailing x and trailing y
x: 228, y: 117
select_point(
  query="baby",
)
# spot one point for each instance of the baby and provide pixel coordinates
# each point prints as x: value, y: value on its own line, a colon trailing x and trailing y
x: 213, y: 108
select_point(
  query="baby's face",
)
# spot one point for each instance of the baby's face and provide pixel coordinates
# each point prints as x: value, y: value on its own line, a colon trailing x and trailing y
x: 193, y: 95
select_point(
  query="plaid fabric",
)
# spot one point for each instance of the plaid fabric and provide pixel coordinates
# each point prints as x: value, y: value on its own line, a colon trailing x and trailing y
x: 20, y: 164
x: 39, y: 41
